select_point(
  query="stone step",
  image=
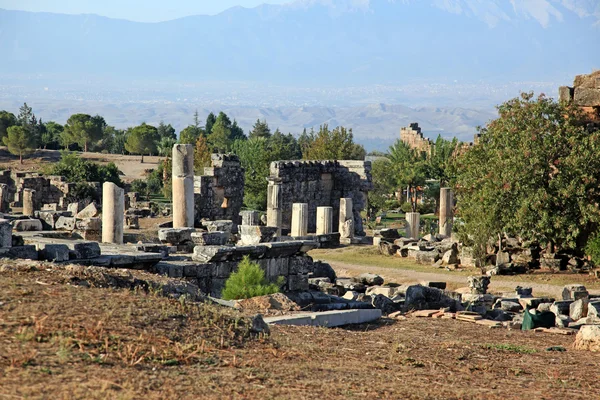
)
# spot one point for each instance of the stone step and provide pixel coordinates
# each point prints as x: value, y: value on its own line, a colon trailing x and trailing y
x: 328, y: 319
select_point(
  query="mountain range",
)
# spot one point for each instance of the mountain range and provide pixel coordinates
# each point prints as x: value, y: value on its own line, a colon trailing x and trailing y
x: 314, y: 42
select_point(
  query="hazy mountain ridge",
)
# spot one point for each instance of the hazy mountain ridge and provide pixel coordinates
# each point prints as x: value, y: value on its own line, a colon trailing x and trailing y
x: 315, y: 41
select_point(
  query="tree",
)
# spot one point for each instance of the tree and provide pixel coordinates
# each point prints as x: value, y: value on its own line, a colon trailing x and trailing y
x: 7, y: 119
x: 284, y: 147
x: 305, y: 141
x: 142, y: 139
x: 237, y: 133
x: 166, y: 131
x: 165, y: 146
x: 80, y: 170
x: 191, y: 133
x: 410, y: 169
x: 83, y: 129
x: 202, y: 155
x: 443, y: 153
x: 27, y: 120
x: 19, y: 141
x: 334, y: 145
x: 260, y: 129
x: 210, y: 121
x: 254, y: 158
x: 534, y: 174
x: 220, y: 136
x: 51, y: 135
x: 384, y: 185
x: 118, y: 140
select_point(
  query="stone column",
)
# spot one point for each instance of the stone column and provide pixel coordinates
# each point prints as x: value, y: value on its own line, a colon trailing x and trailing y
x: 113, y: 210
x: 324, y: 220
x: 299, y: 219
x: 250, y: 218
x: 28, y: 208
x: 413, y: 221
x: 183, y: 186
x: 273, y: 204
x: 446, y: 214
x: 346, y: 214
x: 5, y: 233
x: 4, y: 203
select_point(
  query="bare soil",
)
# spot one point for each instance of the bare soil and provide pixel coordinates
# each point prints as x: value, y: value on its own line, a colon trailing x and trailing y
x: 131, y: 166
x: 107, y: 335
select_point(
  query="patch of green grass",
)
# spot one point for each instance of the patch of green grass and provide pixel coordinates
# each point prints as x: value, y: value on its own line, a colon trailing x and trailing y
x: 510, y: 347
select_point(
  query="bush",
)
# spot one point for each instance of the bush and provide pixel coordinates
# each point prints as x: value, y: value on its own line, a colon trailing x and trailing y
x: 83, y: 193
x: 77, y: 169
x: 249, y: 281
x: 592, y: 248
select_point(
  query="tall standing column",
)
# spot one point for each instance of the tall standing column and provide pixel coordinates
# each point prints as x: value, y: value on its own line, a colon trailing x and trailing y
x: 273, y: 207
x: 183, y: 186
x: 346, y: 228
x: 28, y: 208
x: 324, y: 220
x: 413, y: 220
x: 113, y: 210
x: 299, y: 219
x: 446, y: 213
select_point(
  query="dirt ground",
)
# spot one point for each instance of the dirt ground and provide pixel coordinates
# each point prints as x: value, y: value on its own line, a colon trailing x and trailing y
x: 112, y: 335
x: 352, y: 261
x: 131, y: 166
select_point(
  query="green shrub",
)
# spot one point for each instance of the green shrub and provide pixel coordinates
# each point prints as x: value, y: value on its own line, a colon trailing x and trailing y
x: 77, y: 169
x: 592, y: 248
x: 249, y: 281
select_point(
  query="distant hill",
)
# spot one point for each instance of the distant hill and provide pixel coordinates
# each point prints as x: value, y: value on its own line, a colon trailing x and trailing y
x: 376, y: 126
x: 317, y: 42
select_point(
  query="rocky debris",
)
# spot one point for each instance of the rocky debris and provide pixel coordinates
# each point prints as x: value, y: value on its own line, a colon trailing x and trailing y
x: 594, y: 311
x: 216, y: 238
x: 351, y: 295
x: 265, y: 304
x: 255, y: 234
x: 180, y: 237
x: 90, y: 211
x: 510, y: 306
x: 387, y: 248
x: 478, y: 284
x: 219, y: 226
x: 422, y: 298
x: 385, y: 304
x: 369, y: 279
x: 132, y: 221
x: 350, y: 284
x: 574, y: 292
x: 386, y: 291
x: 259, y: 326
x: 65, y: 223
x: 451, y: 256
x: 323, y: 270
x: 426, y: 257
x: 390, y: 234
x: 588, y: 338
x: 579, y: 309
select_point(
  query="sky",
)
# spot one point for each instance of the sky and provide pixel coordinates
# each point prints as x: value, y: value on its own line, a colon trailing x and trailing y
x: 134, y: 10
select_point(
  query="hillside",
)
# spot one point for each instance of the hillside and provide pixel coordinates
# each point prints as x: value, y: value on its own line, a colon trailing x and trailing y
x: 315, y: 42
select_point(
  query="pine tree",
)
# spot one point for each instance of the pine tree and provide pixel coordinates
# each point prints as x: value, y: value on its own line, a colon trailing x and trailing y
x: 19, y: 141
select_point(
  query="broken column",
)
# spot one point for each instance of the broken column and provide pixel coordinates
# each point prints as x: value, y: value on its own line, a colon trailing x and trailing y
x: 346, y: 220
x: 413, y: 220
x: 5, y: 233
x: 446, y: 213
x: 4, y: 202
x: 28, y: 208
x: 183, y: 186
x: 299, y: 219
x: 324, y: 220
x: 250, y: 218
x: 273, y: 206
x: 113, y: 209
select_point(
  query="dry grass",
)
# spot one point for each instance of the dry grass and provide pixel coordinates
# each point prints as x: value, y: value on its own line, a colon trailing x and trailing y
x: 122, y: 341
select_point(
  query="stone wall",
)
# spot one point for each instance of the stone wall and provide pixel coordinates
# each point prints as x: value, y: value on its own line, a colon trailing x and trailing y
x: 413, y: 137
x: 219, y: 192
x: 585, y: 93
x: 319, y: 184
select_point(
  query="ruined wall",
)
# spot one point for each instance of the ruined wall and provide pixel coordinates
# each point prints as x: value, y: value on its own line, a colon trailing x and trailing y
x: 219, y: 193
x: 320, y: 184
x: 585, y: 93
x: 413, y: 137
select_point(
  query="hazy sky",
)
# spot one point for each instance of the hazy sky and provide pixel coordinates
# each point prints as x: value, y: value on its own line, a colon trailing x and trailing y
x: 135, y: 10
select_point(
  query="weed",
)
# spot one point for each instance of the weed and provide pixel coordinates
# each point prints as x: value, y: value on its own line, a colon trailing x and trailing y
x: 510, y: 347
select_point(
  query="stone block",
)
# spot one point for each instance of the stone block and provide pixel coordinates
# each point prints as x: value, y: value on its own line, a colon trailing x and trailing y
x: 574, y: 292
x: 210, y: 238
x: 219, y: 226
x: 426, y: 257
x: 561, y: 307
x: 26, y: 252
x: 386, y: 291
x: 176, y: 236
x: 89, y: 224
x: 437, y: 285
x: 27, y: 225
x: 424, y: 298
x: 369, y: 279
x: 578, y: 309
x: 565, y: 93
x: 90, y: 211
x: 65, y: 223
x: 84, y: 250
x: 53, y: 252
x: 255, y: 234
x: 282, y: 249
x: 587, y: 97
x: 207, y: 254
x: 5, y: 233
x: 588, y: 338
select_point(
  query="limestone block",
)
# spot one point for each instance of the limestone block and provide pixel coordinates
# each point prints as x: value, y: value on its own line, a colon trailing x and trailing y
x: 5, y: 233
x: 566, y: 94
x: 299, y: 220
x: 478, y: 284
x: 255, y: 234
x: 210, y: 238
x: 389, y: 233
x: 588, y: 338
x: 369, y: 279
x: 175, y: 236
x: 413, y: 221
x: 250, y: 217
x: 561, y: 307
x: 89, y: 224
x: 65, y: 223
x: 578, y: 309
x: 27, y: 225
x: 324, y: 220
x: 219, y: 226
x: 53, y: 252
x: 574, y: 292
x: 90, y: 211
x: 26, y: 252
x: 83, y: 250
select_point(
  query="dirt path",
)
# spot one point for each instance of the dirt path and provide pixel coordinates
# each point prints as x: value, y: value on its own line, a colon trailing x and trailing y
x: 410, y: 276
